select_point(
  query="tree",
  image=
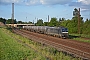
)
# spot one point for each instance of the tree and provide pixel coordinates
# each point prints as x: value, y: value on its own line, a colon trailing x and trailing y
x: 39, y: 22
x: 77, y: 21
x: 53, y: 22
x: 19, y: 22
x: 75, y: 12
x: 72, y: 24
x: 9, y: 21
x: 30, y: 22
x: 45, y: 23
x: 15, y: 22
x: 3, y: 20
x: 60, y: 19
x: 86, y: 27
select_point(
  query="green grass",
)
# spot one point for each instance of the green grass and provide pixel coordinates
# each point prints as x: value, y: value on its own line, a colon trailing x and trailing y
x: 82, y: 40
x: 84, y: 35
x: 10, y: 49
x: 79, y: 37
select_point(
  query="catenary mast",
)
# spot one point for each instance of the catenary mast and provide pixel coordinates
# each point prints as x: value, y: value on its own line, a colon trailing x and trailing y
x: 12, y: 13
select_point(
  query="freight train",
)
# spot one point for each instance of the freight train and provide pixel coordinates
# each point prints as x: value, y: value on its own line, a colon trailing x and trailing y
x: 54, y: 31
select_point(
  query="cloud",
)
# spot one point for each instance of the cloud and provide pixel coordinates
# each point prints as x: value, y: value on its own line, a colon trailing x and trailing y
x: 54, y: 2
x: 35, y: 2
x: 31, y: 2
x: 5, y: 2
x: 87, y: 2
x: 83, y: 4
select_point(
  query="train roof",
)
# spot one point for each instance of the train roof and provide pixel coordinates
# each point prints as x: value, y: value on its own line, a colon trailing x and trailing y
x: 49, y: 26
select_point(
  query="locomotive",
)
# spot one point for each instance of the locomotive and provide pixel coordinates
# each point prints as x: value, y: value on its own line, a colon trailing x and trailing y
x: 54, y: 31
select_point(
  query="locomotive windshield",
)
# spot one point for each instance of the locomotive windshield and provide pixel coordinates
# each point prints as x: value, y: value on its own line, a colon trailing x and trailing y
x: 64, y: 30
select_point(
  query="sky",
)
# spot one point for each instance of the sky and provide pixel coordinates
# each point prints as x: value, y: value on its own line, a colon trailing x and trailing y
x: 31, y: 10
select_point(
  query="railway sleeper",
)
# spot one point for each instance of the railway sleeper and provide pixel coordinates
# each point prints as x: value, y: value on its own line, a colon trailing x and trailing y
x: 65, y: 51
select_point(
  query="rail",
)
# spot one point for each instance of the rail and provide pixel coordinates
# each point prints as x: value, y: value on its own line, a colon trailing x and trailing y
x: 60, y: 47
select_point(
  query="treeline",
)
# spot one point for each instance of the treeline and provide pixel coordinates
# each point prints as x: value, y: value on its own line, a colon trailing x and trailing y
x: 10, y: 21
x: 71, y: 24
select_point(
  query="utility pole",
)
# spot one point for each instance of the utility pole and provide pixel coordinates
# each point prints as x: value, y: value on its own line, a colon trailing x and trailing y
x: 12, y: 16
x: 76, y: 13
x: 48, y: 18
x: 79, y: 19
x: 33, y: 21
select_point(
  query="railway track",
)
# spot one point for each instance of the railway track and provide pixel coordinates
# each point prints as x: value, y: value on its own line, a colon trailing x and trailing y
x: 64, y: 41
x: 71, y: 47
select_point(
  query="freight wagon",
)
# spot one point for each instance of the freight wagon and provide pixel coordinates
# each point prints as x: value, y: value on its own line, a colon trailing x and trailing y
x: 54, y: 31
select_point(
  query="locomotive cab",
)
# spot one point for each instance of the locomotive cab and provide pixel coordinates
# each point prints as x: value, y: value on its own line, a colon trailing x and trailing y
x: 64, y: 32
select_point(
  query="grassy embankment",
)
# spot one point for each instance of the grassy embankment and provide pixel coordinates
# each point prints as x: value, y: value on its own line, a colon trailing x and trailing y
x: 25, y: 49
x: 80, y: 37
x: 10, y: 49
